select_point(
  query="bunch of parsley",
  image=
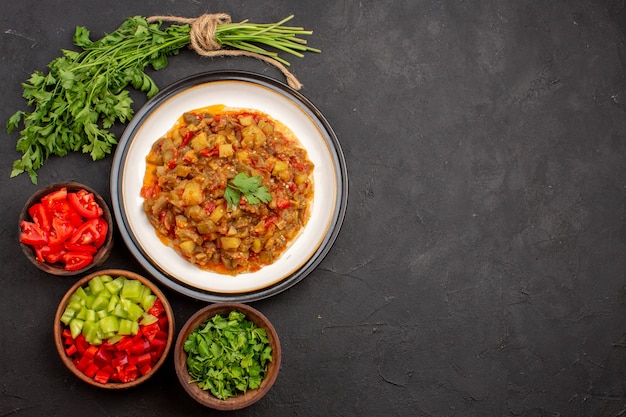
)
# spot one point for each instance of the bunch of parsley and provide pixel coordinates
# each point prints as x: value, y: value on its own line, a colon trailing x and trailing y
x: 84, y: 93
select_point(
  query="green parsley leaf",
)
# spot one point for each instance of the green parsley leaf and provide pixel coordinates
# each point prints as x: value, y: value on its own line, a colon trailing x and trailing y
x: 225, y: 357
x: 249, y: 187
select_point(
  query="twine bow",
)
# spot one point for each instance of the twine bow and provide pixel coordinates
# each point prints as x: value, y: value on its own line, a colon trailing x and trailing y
x: 202, y: 40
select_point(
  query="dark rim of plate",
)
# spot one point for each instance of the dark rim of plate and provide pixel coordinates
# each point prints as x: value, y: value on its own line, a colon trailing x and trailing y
x: 298, y: 99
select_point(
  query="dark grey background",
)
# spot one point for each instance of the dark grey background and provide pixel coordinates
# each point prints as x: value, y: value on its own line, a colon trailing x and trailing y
x: 480, y: 270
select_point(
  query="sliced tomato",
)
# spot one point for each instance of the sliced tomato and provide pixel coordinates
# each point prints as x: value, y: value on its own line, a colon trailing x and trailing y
x: 76, y: 260
x: 32, y: 234
x: 283, y: 203
x: 52, y: 254
x: 85, y: 204
x: 149, y: 191
x: 75, y: 247
x: 62, y: 209
x: 40, y: 216
x: 61, y: 231
x: 59, y: 195
x: 103, y: 228
x: 86, y: 234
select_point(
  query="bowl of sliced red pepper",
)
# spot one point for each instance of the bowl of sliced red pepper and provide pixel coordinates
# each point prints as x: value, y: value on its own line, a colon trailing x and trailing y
x: 66, y: 229
x: 113, y: 329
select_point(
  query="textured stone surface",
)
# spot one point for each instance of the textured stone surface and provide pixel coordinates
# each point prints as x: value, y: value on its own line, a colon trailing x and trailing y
x: 481, y: 267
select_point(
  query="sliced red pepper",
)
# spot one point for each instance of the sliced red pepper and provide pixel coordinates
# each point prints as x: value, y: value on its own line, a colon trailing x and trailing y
x: 81, y: 344
x: 139, y: 347
x: 76, y: 260
x: 144, y: 359
x: 85, y: 204
x: 283, y: 203
x: 124, y: 344
x: 187, y: 138
x: 32, y: 234
x: 91, y: 352
x: 163, y: 324
x: 83, y: 363
x: 103, y: 375
x: 158, y: 346
x: 207, y: 153
x: 119, y: 360
x: 103, y: 357
x: 150, y: 331
x: 91, y: 370
x: 129, y: 373
x: 145, y: 368
x: 157, y: 308
x: 71, y: 350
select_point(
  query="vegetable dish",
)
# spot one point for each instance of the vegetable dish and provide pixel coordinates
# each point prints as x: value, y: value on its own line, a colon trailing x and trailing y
x: 228, y: 189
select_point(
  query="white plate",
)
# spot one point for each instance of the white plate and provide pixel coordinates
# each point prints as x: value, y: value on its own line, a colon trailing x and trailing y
x: 235, y: 90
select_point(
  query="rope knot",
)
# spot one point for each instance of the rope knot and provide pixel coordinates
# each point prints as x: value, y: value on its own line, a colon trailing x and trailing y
x: 202, y: 33
x: 202, y: 40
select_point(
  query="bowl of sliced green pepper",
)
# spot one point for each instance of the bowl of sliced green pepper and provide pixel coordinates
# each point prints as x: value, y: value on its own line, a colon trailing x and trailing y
x: 113, y: 329
x: 227, y: 356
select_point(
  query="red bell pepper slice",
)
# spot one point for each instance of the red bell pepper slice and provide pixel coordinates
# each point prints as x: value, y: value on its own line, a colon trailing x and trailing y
x: 157, y: 308
x: 187, y: 138
x: 145, y: 368
x: 91, y: 370
x: 144, y: 359
x: 103, y: 357
x: 103, y: 375
x: 119, y: 360
x: 129, y: 373
x: 150, y: 331
x: 71, y: 350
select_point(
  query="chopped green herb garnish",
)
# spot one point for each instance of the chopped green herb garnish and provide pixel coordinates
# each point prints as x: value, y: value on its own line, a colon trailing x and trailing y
x: 228, y: 355
x: 249, y: 187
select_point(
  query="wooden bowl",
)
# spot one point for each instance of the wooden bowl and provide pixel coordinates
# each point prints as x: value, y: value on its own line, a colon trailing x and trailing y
x: 59, y: 327
x: 205, y: 397
x: 58, y: 268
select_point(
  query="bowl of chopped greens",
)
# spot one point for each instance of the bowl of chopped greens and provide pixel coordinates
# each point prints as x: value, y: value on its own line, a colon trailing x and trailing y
x: 113, y: 329
x: 66, y: 229
x: 227, y: 356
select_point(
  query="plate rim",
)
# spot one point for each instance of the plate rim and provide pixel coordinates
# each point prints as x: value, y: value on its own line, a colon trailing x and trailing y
x: 338, y: 160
